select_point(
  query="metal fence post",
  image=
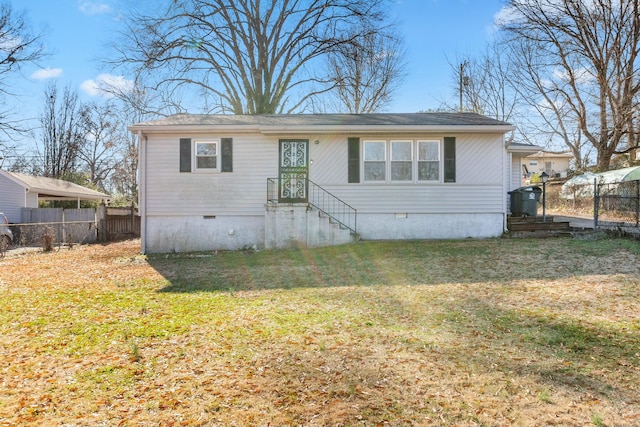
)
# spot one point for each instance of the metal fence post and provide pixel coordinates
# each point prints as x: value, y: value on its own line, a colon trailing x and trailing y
x: 637, y: 203
x: 596, y: 196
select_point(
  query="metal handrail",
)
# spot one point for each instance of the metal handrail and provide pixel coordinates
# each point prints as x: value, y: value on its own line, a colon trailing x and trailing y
x: 324, y: 201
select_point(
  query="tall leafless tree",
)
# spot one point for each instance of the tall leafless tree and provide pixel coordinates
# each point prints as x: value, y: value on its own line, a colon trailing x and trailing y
x: 19, y: 46
x: 246, y: 56
x: 102, y: 137
x: 62, y: 134
x: 486, y: 85
x: 580, y: 60
x: 367, y: 70
x: 551, y: 119
x: 133, y: 104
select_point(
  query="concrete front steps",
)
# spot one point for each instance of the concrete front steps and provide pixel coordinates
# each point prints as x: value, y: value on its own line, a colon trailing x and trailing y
x: 325, y: 231
x: 299, y: 225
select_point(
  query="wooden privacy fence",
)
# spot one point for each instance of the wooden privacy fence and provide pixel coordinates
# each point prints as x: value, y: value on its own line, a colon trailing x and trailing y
x: 118, y: 223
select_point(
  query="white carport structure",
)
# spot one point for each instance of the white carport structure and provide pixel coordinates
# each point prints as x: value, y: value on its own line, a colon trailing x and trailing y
x: 19, y: 191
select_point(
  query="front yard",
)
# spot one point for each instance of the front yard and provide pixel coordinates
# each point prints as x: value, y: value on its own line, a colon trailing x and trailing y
x: 503, y: 332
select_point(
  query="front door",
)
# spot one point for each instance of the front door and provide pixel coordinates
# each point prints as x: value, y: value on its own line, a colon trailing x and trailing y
x: 294, y: 171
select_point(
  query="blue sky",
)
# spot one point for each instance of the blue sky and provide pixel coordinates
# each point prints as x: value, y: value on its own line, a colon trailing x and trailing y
x: 435, y: 31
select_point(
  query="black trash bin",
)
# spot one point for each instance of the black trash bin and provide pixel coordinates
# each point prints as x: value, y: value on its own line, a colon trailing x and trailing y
x: 524, y: 200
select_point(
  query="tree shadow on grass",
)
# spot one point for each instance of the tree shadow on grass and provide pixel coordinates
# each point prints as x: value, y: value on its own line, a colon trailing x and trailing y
x: 597, y: 360
x: 375, y: 263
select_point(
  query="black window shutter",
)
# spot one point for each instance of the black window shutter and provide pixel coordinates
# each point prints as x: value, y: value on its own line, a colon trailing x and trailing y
x: 185, y: 154
x: 354, y: 160
x: 450, y: 159
x: 227, y: 155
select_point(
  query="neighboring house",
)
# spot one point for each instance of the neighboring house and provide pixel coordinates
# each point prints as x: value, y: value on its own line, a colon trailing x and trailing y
x: 519, y: 162
x: 556, y: 165
x: 236, y: 181
x: 19, y: 191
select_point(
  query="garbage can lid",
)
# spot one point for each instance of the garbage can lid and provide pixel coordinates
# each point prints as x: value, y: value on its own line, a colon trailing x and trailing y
x: 527, y: 188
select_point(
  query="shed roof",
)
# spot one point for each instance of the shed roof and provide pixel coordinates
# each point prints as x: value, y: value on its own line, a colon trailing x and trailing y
x: 293, y: 123
x: 54, y: 189
x: 608, y: 177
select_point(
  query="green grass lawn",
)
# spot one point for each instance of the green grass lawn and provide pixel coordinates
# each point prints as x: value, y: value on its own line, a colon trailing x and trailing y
x: 504, y: 332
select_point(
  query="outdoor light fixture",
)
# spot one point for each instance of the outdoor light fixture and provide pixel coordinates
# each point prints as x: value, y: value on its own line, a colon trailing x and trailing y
x: 544, y: 178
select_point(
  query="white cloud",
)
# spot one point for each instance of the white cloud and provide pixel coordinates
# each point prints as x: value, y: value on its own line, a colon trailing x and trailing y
x: 105, y: 83
x: 8, y: 44
x: 94, y: 8
x: 47, y: 73
x: 581, y: 75
x: 506, y: 15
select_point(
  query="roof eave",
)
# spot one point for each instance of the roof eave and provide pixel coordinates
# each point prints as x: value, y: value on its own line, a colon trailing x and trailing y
x: 321, y: 129
x: 57, y: 194
x: 70, y: 197
x: 523, y: 149
x: 276, y: 130
x: 155, y: 129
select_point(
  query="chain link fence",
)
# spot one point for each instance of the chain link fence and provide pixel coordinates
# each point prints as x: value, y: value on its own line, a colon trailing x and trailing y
x: 617, y: 202
x: 51, y: 228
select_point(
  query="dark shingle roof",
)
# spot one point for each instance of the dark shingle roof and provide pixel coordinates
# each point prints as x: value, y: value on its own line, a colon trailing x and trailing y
x: 332, y: 120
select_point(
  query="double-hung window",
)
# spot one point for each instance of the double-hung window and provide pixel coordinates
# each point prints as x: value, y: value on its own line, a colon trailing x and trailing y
x: 375, y: 160
x: 401, y: 160
x: 429, y: 160
x: 207, y: 155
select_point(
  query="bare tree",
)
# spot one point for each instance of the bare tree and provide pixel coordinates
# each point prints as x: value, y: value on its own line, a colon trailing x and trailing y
x: 18, y: 46
x: 581, y: 62
x: 551, y: 117
x: 246, y: 56
x: 62, y: 134
x: 367, y: 70
x: 485, y: 85
x: 133, y: 104
x: 102, y: 137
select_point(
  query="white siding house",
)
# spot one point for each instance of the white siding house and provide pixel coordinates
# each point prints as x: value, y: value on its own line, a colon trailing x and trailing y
x: 230, y: 182
x: 556, y: 165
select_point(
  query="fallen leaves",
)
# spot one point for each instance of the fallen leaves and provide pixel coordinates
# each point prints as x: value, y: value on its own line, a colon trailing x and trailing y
x: 513, y: 338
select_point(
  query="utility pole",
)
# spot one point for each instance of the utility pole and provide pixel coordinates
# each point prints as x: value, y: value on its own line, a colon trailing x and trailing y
x: 462, y: 80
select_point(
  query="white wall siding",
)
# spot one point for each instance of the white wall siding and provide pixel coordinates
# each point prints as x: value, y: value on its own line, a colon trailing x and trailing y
x: 241, y: 192
x: 330, y: 159
x: 516, y: 172
x: 478, y: 157
x: 32, y: 200
x: 255, y: 158
x: 442, y: 198
x: 12, y: 199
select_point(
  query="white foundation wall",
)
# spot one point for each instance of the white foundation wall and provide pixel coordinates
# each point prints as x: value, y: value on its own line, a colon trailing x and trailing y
x: 165, y: 234
x: 429, y: 226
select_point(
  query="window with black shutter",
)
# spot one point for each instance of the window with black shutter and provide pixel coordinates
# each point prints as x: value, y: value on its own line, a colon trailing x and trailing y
x: 450, y: 159
x: 206, y: 155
